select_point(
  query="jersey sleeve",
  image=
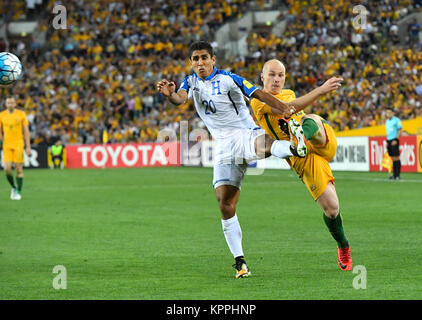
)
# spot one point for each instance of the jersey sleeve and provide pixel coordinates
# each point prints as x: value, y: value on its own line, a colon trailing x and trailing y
x: 399, y: 124
x: 245, y: 86
x: 184, y: 85
x: 24, y: 120
x: 260, y: 108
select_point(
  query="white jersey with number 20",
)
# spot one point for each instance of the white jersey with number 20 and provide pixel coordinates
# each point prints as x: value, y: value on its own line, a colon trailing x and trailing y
x: 219, y: 101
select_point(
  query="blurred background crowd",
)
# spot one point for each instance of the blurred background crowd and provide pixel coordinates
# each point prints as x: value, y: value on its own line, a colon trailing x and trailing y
x: 94, y: 82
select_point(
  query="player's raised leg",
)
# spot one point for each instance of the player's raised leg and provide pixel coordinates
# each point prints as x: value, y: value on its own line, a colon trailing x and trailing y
x: 313, y: 129
x: 296, y: 133
x: 266, y: 146
x: 329, y: 203
x: 227, y: 197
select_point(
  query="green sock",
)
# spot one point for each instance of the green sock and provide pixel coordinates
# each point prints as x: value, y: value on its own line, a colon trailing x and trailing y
x: 310, y: 128
x: 335, y: 226
x: 11, y: 180
x: 20, y: 183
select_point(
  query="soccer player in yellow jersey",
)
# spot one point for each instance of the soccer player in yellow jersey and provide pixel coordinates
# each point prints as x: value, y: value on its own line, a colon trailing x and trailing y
x: 14, y: 133
x: 321, y: 143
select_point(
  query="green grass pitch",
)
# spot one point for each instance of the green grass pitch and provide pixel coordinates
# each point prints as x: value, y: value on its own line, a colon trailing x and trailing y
x: 155, y: 233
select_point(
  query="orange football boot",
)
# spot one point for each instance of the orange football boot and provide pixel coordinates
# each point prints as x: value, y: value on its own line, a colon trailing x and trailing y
x: 242, y: 269
x: 344, y: 259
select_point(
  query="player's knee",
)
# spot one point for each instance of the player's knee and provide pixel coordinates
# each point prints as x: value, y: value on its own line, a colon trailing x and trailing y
x: 226, y: 207
x: 313, y: 128
x: 331, y: 209
x: 268, y: 143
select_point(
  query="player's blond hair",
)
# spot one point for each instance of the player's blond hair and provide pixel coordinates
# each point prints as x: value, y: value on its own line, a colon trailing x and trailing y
x: 265, y: 66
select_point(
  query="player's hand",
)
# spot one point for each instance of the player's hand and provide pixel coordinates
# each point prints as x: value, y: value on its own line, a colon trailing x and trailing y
x: 290, y: 111
x: 331, y: 84
x: 28, y: 151
x: 166, y: 88
x: 394, y: 142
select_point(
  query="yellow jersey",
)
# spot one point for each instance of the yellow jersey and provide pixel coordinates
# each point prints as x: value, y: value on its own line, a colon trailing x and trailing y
x: 12, y: 125
x: 314, y: 169
x: 269, y: 121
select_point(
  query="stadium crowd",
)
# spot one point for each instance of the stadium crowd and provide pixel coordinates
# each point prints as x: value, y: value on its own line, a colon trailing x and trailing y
x: 95, y: 81
x: 320, y: 41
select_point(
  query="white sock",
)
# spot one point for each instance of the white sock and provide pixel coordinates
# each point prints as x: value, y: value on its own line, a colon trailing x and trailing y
x: 281, y: 149
x: 233, y: 234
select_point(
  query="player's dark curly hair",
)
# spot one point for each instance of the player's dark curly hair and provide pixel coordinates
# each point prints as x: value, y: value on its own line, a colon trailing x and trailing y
x: 201, y: 45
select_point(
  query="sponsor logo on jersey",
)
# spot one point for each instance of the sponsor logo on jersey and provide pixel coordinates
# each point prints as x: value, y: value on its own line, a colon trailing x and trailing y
x: 247, y: 84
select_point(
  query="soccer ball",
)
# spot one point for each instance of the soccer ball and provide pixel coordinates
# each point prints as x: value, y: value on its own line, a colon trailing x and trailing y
x: 10, y: 68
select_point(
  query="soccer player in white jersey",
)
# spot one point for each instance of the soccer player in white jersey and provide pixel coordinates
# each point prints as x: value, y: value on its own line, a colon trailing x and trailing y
x: 219, y: 100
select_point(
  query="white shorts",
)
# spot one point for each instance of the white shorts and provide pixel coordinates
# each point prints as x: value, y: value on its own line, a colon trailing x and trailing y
x: 232, y: 156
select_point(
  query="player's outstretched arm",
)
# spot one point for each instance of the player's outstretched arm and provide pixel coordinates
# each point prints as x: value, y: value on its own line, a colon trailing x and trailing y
x: 168, y: 89
x: 304, y: 101
x: 277, y: 106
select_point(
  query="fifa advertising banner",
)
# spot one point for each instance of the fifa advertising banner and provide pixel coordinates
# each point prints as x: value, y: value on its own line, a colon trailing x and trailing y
x: 352, y: 154
x: 124, y: 155
x: 409, y: 149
